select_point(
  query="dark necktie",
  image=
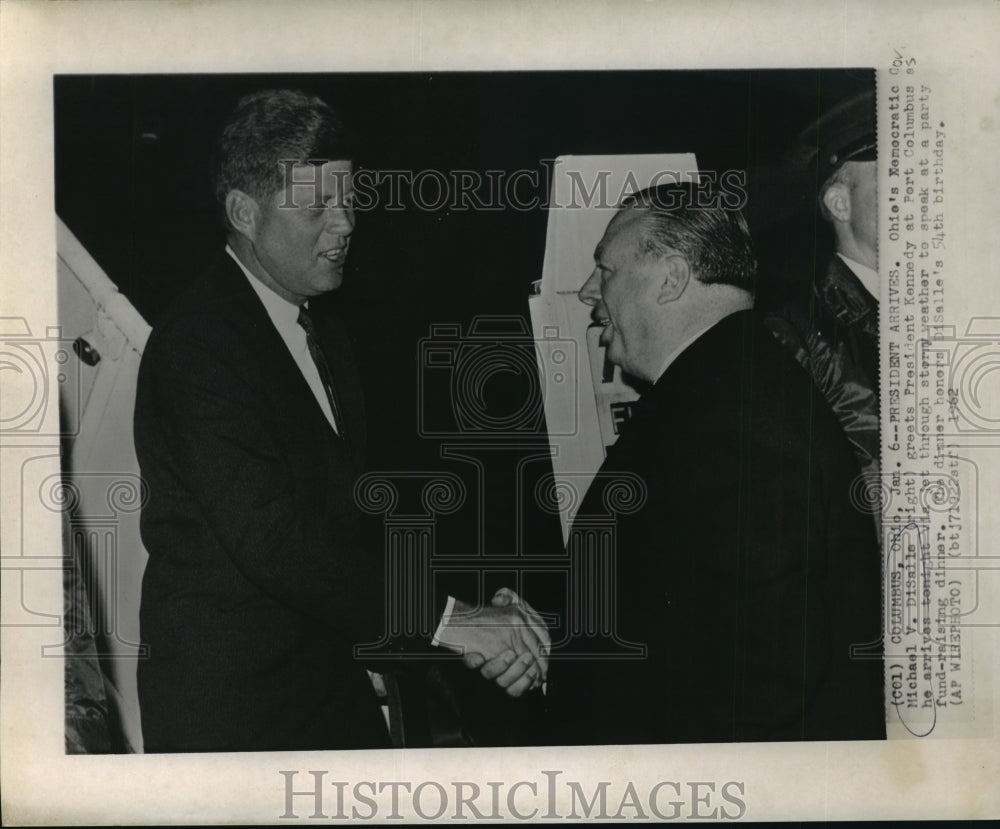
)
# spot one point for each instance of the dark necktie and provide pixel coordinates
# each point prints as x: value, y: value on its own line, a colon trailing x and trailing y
x: 324, y: 369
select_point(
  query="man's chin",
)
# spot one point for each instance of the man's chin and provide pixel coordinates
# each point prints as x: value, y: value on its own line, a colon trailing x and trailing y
x: 333, y: 279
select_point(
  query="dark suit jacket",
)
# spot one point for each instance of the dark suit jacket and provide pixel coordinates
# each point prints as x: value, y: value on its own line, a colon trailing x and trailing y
x: 747, y: 573
x: 257, y: 587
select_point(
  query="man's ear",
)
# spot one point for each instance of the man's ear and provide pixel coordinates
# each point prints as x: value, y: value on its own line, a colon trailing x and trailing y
x: 837, y: 200
x: 676, y: 275
x: 243, y: 213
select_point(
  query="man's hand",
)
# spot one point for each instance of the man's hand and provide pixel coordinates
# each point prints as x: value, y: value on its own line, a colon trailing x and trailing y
x: 507, y: 640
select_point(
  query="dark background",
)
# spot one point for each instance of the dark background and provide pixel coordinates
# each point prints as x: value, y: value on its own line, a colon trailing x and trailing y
x: 132, y: 156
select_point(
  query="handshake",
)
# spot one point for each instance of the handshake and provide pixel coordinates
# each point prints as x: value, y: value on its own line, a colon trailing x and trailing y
x: 506, y: 640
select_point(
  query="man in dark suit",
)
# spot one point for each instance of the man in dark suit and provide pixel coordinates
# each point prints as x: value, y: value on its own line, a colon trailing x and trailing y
x: 250, y: 434
x: 747, y: 574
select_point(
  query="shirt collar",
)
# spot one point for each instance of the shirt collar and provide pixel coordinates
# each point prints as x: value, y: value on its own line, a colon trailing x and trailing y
x: 283, y: 313
x: 865, y: 275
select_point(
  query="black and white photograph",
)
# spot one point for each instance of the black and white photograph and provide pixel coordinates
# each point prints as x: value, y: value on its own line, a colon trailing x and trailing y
x: 719, y: 534
x: 468, y: 439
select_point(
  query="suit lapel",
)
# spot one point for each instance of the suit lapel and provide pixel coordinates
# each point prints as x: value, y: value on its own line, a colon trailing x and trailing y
x: 288, y: 388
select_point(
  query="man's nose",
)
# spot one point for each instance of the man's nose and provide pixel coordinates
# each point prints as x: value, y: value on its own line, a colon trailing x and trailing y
x: 339, y: 221
x: 590, y: 293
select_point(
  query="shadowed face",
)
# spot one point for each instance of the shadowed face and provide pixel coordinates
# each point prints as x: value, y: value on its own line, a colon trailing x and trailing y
x: 851, y: 205
x: 302, y: 233
x: 864, y: 207
x: 623, y: 290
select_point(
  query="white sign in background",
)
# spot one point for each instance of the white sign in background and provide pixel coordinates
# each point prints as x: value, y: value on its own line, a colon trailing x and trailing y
x: 584, y: 396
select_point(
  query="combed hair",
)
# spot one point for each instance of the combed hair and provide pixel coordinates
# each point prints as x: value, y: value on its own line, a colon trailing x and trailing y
x: 269, y: 127
x: 715, y: 239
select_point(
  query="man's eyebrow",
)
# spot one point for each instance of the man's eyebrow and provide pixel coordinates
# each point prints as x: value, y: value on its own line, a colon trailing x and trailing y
x: 599, y: 252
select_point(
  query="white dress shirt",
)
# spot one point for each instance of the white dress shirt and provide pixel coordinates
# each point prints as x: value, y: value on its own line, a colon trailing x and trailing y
x: 285, y: 316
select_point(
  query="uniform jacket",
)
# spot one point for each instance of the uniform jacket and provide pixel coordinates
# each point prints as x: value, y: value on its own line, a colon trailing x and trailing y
x: 832, y: 330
